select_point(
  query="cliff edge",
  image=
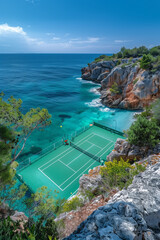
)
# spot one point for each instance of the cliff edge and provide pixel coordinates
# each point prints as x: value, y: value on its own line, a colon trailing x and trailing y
x: 123, y: 83
x: 131, y: 214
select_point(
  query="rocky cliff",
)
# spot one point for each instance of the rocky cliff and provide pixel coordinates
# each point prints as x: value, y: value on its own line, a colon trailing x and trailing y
x: 131, y: 214
x: 124, y: 84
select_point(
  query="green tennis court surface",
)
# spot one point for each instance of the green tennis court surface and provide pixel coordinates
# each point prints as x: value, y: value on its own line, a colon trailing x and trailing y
x: 61, y: 169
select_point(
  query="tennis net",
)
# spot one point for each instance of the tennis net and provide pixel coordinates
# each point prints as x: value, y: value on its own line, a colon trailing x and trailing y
x: 85, y: 152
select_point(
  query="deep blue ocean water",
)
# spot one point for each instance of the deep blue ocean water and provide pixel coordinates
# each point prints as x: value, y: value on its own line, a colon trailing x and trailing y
x: 53, y: 81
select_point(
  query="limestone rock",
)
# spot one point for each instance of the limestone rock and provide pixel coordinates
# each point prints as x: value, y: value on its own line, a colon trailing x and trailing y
x: 132, y: 214
x: 96, y: 72
x: 137, y: 87
x: 91, y: 182
x: 123, y: 149
x: 19, y: 217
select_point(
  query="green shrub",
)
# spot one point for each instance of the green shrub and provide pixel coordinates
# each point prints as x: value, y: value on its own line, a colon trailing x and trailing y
x: 31, y: 230
x: 134, y: 64
x: 147, y: 113
x: 45, y: 231
x: 146, y: 62
x: 155, y: 51
x: 114, y: 88
x: 156, y: 110
x: 118, y: 62
x: 143, y: 132
x: 119, y: 173
x: 131, y: 53
x: 123, y: 66
x: 72, y: 204
x: 89, y: 194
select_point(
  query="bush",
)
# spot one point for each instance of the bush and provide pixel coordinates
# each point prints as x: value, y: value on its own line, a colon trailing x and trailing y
x: 147, y: 113
x: 118, y: 62
x: 146, y: 62
x: 10, y: 230
x: 156, y: 110
x: 45, y: 231
x: 119, y: 173
x: 131, y: 53
x: 143, y: 132
x: 114, y: 88
x: 72, y: 204
x: 155, y: 51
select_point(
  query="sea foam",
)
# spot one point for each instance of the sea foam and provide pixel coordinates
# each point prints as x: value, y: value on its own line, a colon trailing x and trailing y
x: 95, y: 103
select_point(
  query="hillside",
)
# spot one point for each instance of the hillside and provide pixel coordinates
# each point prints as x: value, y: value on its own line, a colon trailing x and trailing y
x: 129, y: 79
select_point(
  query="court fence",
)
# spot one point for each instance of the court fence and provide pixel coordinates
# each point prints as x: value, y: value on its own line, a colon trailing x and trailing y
x: 35, y: 157
x: 108, y: 129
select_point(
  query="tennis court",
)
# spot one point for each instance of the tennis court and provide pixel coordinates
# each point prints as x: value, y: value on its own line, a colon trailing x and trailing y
x: 61, y: 169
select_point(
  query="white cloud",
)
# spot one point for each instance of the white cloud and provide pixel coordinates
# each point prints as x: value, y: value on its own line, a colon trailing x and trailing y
x: 122, y: 41
x: 93, y: 39
x: 88, y: 40
x: 50, y: 34
x: 20, y: 41
x: 5, y: 28
x: 15, y: 33
x: 55, y: 38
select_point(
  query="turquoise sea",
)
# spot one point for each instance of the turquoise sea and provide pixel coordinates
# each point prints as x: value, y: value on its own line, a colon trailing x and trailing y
x: 53, y: 81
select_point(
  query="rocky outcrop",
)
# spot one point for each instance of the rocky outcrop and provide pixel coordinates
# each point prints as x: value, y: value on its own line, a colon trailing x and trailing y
x: 91, y: 182
x: 19, y: 217
x: 131, y: 214
x: 135, y: 88
x: 123, y: 149
x: 98, y: 71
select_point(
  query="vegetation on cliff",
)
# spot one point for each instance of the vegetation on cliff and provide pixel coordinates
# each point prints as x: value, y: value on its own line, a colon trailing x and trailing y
x: 119, y: 174
x: 145, y: 131
x: 149, y: 58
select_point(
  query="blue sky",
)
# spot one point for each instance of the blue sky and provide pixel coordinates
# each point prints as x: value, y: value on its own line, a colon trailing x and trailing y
x: 77, y: 26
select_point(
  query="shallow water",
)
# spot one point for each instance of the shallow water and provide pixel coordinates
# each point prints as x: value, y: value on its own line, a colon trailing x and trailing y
x: 53, y: 81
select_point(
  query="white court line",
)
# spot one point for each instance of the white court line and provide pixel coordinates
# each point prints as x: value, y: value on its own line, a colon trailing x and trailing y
x: 54, y: 163
x: 49, y: 165
x: 59, y: 160
x: 106, y: 150
x: 93, y: 144
x: 67, y: 165
x: 78, y: 156
x: 102, y: 137
x: 51, y: 180
x: 74, y: 160
x: 75, y: 173
x: 77, y: 170
x: 65, y: 151
x: 82, y: 166
x: 78, y: 176
x: 72, y: 194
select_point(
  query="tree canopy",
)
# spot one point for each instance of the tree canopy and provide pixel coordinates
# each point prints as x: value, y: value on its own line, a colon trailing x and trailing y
x: 22, y: 125
x: 143, y: 132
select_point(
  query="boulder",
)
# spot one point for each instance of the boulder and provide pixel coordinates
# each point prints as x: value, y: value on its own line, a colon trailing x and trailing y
x: 91, y: 182
x: 19, y: 217
x: 86, y: 76
x: 124, y: 150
